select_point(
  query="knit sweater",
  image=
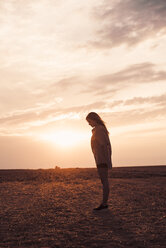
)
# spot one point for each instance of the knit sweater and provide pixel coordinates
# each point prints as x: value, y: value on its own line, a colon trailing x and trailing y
x: 101, y: 146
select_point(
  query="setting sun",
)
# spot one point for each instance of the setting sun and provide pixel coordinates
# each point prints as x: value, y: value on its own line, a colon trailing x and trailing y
x: 64, y: 138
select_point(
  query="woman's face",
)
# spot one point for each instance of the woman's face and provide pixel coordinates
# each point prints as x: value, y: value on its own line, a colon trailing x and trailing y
x: 92, y: 123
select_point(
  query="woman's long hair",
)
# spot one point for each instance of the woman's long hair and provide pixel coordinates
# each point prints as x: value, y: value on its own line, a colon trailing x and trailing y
x: 94, y: 116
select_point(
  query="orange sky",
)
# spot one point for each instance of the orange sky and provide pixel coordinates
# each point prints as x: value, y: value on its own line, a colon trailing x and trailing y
x: 63, y: 59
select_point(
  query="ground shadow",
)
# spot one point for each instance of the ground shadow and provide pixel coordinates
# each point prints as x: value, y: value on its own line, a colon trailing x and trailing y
x: 117, y: 230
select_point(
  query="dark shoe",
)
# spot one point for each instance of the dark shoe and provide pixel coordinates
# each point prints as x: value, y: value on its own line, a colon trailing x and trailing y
x: 101, y: 207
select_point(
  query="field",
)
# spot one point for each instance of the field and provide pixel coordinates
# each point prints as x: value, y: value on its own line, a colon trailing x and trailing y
x: 54, y: 208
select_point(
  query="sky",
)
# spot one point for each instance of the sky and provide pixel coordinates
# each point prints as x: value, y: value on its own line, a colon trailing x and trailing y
x: 61, y: 60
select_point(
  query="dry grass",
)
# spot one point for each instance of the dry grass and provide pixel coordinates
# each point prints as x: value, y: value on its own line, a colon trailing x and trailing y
x: 53, y: 208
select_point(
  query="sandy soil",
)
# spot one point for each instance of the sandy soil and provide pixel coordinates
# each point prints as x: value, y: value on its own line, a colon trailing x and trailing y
x: 54, y: 208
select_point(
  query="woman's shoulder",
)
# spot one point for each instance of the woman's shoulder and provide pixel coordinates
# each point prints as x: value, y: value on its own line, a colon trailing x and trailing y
x: 100, y: 129
x: 101, y: 134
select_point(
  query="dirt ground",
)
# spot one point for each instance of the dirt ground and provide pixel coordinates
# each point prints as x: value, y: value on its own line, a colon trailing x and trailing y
x: 54, y: 208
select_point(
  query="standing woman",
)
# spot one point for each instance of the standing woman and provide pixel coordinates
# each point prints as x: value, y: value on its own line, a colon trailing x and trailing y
x: 101, y: 148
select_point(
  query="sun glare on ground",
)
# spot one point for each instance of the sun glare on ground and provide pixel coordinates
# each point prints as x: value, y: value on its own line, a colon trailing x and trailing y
x: 64, y: 138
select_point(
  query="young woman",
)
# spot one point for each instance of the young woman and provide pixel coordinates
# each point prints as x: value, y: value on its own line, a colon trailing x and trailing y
x: 101, y: 148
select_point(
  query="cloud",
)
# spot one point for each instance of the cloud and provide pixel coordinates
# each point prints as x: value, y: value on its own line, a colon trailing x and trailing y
x: 110, y: 111
x: 129, y: 22
x: 135, y: 116
x: 42, y: 30
x: 65, y: 84
x: 52, y: 114
x: 47, y: 110
x: 109, y: 84
x: 25, y: 94
x: 157, y: 100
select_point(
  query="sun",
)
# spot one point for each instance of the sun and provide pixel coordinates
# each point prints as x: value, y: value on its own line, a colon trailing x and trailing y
x: 64, y: 138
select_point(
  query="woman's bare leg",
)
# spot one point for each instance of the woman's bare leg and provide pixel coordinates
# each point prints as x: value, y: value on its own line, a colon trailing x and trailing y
x: 103, y: 174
